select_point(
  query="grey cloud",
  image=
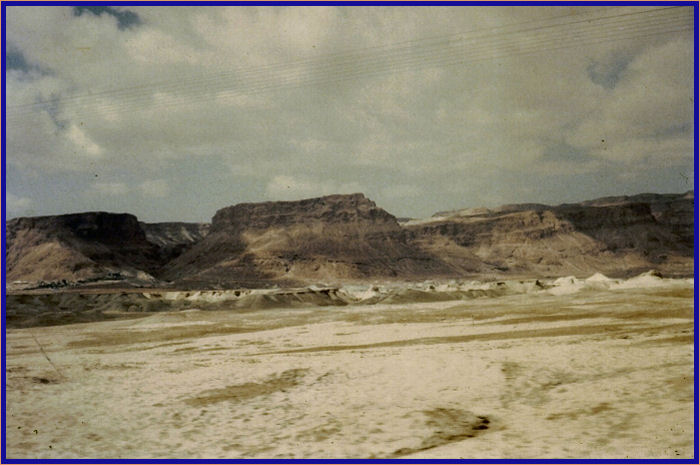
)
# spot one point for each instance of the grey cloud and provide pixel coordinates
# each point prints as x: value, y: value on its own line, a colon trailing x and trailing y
x: 561, y: 151
x: 14, y: 59
x: 608, y: 72
x: 125, y: 19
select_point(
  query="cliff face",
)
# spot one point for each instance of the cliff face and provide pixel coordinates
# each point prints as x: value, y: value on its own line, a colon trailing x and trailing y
x: 77, y: 246
x: 615, y: 235
x: 332, y: 237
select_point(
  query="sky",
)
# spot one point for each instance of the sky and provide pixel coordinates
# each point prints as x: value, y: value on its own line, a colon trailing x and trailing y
x: 172, y: 112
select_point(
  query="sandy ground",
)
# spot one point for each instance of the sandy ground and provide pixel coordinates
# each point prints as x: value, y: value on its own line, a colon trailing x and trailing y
x: 592, y: 374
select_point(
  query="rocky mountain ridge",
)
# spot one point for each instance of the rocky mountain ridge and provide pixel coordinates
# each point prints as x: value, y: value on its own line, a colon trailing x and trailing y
x: 348, y: 237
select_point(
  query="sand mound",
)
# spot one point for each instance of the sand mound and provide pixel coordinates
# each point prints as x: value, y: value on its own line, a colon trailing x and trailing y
x: 291, y: 298
x: 405, y: 296
x: 599, y: 278
x: 649, y: 279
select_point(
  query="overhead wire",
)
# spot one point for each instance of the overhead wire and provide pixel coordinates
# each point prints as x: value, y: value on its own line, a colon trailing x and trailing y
x: 443, y: 51
x: 490, y: 52
x: 243, y: 77
x: 364, y: 61
x: 272, y: 84
x: 391, y: 48
x: 269, y: 67
x: 339, y: 75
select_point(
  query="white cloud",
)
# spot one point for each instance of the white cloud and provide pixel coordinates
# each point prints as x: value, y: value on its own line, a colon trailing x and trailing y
x: 155, y: 188
x: 111, y: 188
x: 17, y: 206
x: 84, y: 145
x: 155, y: 47
x: 401, y: 191
x: 284, y: 187
x: 237, y: 99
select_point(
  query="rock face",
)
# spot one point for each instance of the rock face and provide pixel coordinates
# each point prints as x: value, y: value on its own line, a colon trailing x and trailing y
x: 332, y: 237
x: 75, y: 247
x: 614, y: 235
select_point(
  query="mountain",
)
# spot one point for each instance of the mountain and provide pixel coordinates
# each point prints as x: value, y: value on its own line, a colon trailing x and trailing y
x: 615, y: 235
x: 75, y: 247
x: 93, y: 247
x: 333, y: 237
x: 348, y: 237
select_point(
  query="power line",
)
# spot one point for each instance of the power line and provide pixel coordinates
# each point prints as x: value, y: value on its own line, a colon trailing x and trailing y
x: 339, y: 57
x: 443, y: 51
x: 270, y: 67
x: 403, y: 47
x: 443, y: 60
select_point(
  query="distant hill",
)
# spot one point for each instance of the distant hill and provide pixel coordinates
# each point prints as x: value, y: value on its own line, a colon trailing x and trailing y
x: 347, y: 237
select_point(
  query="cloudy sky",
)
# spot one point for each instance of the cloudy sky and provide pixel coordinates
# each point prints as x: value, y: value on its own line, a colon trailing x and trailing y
x: 172, y: 112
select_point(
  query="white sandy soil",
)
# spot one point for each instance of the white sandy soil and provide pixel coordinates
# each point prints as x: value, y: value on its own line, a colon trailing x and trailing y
x: 598, y: 372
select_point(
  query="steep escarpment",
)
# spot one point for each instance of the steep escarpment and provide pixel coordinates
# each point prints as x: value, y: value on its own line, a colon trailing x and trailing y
x: 615, y: 235
x: 326, y: 238
x: 81, y: 246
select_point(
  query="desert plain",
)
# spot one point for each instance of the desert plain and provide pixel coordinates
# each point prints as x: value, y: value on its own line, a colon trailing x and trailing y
x: 566, y: 368
x: 196, y: 267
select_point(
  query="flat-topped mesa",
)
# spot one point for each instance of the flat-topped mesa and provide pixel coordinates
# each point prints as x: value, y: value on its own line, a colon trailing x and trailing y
x: 327, y: 238
x: 77, y: 246
x: 103, y: 227
x: 329, y: 210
